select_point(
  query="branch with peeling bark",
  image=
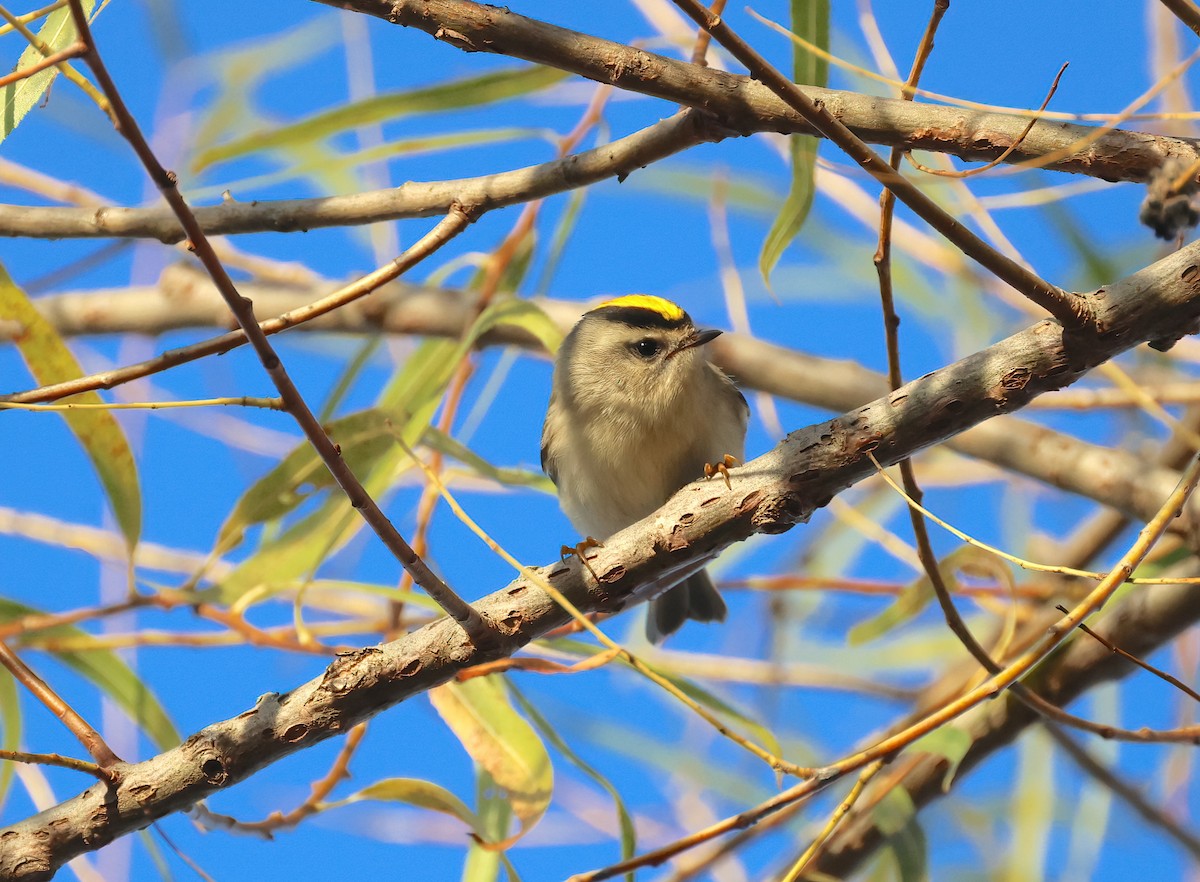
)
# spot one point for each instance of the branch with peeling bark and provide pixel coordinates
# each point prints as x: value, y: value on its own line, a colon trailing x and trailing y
x: 769, y: 495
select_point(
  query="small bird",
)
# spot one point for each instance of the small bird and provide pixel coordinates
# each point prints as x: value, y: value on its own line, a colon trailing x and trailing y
x: 636, y: 412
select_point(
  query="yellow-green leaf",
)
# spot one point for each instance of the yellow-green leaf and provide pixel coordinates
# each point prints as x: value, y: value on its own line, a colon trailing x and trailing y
x: 896, y: 817
x: 362, y: 437
x: 523, y: 314
x: 501, y: 742
x: 107, y: 671
x: 624, y: 819
x: 410, y: 400
x: 50, y: 361
x: 10, y: 726
x: 419, y: 793
x: 17, y: 99
x: 495, y: 814
x: 810, y: 19
x: 453, y: 95
x: 440, y: 441
x: 949, y: 742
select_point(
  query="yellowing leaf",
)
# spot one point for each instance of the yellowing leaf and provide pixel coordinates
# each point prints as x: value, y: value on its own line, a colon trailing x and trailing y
x: 50, y: 361
x: 501, y: 742
x: 422, y: 794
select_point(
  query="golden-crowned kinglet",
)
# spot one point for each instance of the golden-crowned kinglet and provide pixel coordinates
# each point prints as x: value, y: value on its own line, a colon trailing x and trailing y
x: 635, y: 413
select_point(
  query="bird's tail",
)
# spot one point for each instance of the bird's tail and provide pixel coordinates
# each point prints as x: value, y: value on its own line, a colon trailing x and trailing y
x: 696, y: 598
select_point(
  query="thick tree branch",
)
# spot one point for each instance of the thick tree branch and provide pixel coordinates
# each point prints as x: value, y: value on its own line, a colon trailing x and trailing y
x: 184, y: 298
x: 731, y: 104
x: 747, y: 106
x: 410, y: 200
x: 769, y: 495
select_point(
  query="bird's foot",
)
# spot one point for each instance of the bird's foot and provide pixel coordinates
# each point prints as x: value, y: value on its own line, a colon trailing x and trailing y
x: 722, y: 468
x: 578, y: 551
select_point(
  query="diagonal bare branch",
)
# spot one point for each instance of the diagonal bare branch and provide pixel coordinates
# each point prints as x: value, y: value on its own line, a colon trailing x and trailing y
x: 479, y: 630
x: 733, y: 105
x: 770, y: 495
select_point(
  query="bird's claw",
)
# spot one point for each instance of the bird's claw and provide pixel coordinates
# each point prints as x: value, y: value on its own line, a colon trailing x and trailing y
x: 722, y: 468
x: 578, y: 551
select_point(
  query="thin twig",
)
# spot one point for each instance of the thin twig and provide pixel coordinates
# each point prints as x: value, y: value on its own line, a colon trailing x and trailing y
x: 703, y: 37
x: 1071, y: 310
x: 338, y: 772
x: 891, y: 328
x: 1008, y: 151
x: 54, y: 759
x: 73, y: 51
x: 495, y: 268
x: 839, y: 814
x: 616, y: 158
x: 481, y: 632
x: 33, y: 16
x: 78, y: 726
x: 1174, y: 681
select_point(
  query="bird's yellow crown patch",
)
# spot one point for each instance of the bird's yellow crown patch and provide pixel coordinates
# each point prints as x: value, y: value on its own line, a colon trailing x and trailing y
x: 670, y: 312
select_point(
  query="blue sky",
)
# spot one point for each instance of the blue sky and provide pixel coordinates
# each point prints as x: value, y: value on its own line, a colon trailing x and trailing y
x: 651, y: 233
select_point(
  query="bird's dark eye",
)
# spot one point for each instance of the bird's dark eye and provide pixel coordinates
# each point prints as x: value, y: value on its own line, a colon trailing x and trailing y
x: 647, y: 348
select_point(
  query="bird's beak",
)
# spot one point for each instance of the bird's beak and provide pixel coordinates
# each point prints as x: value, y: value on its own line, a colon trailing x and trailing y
x: 699, y: 338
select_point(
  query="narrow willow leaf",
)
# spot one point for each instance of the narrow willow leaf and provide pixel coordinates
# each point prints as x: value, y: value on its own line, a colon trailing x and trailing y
x: 721, y: 708
x: 896, y: 817
x: 750, y: 194
x: 689, y: 688
x: 501, y: 742
x: 108, y: 672
x: 558, y: 243
x: 362, y: 437
x: 156, y: 855
x: 495, y: 815
x: 440, y: 441
x: 404, y: 410
x: 338, y: 162
x: 17, y: 99
x: 624, y: 819
x: 10, y: 726
x: 454, y: 95
x: 904, y: 608
x: 348, y: 377
x: 419, y: 793
x: 239, y: 71
x: 50, y: 361
x: 1032, y: 804
x: 810, y: 19
x: 410, y: 399
x: 949, y: 742
x: 523, y: 314
x: 916, y: 596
